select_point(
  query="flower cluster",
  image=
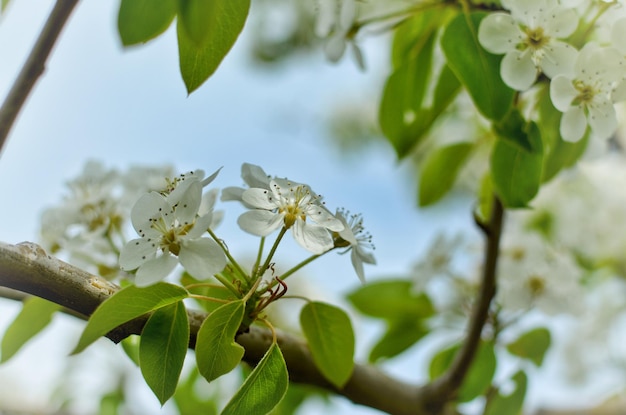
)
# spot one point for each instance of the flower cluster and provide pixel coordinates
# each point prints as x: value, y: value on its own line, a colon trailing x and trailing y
x: 584, y: 84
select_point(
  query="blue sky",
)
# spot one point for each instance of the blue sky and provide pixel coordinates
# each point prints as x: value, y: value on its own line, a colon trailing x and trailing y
x: 98, y: 101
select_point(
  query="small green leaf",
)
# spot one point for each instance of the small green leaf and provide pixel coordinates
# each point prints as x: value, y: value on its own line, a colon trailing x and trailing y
x: 36, y: 314
x: 510, y: 404
x: 125, y: 305
x: 480, y: 373
x: 400, y: 335
x: 484, y: 206
x: 516, y: 172
x: 329, y: 333
x: 3, y: 5
x: 439, y: 172
x: 217, y: 352
x: 531, y: 345
x: 223, y: 25
x: 139, y: 21
x: 391, y: 300
x: 476, y: 68
x: 131, y: 347
x: 164, y: 343
x: 263, y: 388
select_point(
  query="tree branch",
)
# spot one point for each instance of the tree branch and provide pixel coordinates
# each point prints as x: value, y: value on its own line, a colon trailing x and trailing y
x: 33, y: 67
x: 26, y: 267
x: 444, y: 389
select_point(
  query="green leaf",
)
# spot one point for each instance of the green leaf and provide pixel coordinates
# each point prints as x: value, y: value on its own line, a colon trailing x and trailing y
x: 391, y: 300
x: 516, y: 172
x: 3, y: 5
x: 125, y: 305
x: 329, y: 333
x: 189, y: 402
x: 35, y: 315
x: 139, y: 21
x: 217, y: 352
x: 476, y: 68
x: 223, y: 25
x: 480, y: 373
x: 400, y: 335
x: 130, y: 345
x: 510, y: 404
x: 440, y: 170
x: 484, y: 206
x: 164, y: 343
x: 531, y: 345
x: 263, y: 388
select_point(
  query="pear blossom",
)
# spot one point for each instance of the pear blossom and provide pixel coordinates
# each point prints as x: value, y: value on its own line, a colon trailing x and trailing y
x: 353, y: 237
x: 290, y: 205
x: 528, y: 38
x: 253, y: 176
x: 586, y: 97
x: 335, y: 22
x: 170, y: 231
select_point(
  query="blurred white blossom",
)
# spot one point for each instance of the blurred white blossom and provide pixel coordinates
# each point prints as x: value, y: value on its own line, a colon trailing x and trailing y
x: 357, y: 240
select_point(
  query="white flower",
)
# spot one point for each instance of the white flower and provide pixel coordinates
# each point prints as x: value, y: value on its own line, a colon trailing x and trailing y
x: 352, y: 236
x: 171, y: 231
x: 586, y: 97
x: 528, y: 38
x: 289, y: 205
x: 335, y: 22
x: 437, y: 261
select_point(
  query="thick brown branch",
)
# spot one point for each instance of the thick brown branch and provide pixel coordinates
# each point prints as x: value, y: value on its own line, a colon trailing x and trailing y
x: 27, y: 268
x: 445, y: 387
x: 33, y: 67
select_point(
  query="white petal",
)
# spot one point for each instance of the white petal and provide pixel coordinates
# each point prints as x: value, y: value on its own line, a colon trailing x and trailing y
x: 212, y: 177
x: 313, y: 238
x: 347, y: 14
x: 325, y: 17
x: 559, y: 22
x: 499, y: 33
x: 559, y: 59
x: 562, y: 92
x: 254, y: 176
x: 518, y: 70
x: 136, y: 252
x: 259, y: 198
x: 602, y: 119
x: 618, y: 34
x: 232, y: 193
x: 324, y: 218
x: 346, y: 234
x: 200, y: 227
x: 155, y: 270
x: 202, y: 258
x: 357, y: 264
x: 149, y: 206
x: 619, y: 94
x: 260, y: 222
x: 335, y: 47
x: 573, y: 125
x: 186, y: 209
x: 208, y: 201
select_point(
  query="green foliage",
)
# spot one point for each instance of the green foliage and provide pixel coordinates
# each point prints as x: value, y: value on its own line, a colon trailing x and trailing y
x: 407, y: 110
x: 111, y: 403
x: 263, y: 388
x: 479, y: 376
x: 130, y: 345
x: 207, y: 290
x: 35, y: 315
x: 509, y: 404
x: 331, y: 340
x: 403, y: 310
x: 220, y: 25
x: 217, y: 352
x: 531, y: 345
x: 187, y: 399
x: 125, y: 305
x: 440, y: 170
x: 517, y: 161
x: 3, y: 5
x: 164, y: 343
x: 477, y: 69
x: 139, y: 21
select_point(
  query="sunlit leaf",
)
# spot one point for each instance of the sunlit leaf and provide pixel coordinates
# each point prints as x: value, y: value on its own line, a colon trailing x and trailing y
x: 531, y: 345
x: 263, y: 388
x: 477, y: 69
x: 392, y: 300
x: 164, y: 343
x: 35, y: 315
x: 131, y: 347
x: 139, y: 21
x: 217, y: 352
x: 125, y: 305
x: 439, y: 172
x: 223, y: 25
x: 331, y: 340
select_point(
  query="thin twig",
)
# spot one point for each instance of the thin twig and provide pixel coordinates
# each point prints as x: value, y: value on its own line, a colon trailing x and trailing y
x: 444, y: 389
x: 33, y: 67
